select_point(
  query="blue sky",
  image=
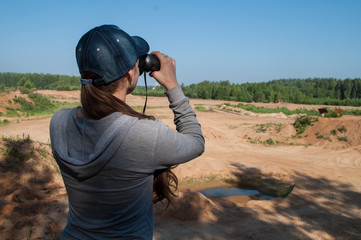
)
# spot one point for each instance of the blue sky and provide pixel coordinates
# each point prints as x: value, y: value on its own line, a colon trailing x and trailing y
x: 240, y: 41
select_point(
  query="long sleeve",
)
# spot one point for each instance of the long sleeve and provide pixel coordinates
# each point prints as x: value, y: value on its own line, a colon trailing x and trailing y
x: 187, y: 143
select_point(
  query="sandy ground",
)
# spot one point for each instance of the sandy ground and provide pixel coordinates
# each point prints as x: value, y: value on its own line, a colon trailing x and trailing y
x: 325, y: 202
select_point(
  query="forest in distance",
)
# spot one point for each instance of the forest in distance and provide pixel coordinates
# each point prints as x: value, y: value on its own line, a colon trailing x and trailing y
x: 327, y: 91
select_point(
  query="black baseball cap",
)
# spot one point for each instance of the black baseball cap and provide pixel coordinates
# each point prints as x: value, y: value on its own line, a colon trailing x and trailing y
x: 109, y: 52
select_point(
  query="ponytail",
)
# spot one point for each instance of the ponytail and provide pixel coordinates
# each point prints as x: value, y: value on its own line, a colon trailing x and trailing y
x: 99, y: 102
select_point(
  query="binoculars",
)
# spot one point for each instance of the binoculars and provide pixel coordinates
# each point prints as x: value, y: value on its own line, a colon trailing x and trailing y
x: 148, y: 63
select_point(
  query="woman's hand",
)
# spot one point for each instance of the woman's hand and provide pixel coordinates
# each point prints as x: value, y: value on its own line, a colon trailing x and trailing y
x: 166, y: 76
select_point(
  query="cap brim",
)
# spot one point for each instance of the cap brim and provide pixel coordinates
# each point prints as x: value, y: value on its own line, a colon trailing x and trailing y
x: 141, y: 46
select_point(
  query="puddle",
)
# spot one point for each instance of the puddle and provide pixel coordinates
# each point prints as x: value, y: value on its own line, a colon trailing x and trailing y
x: 233, y: 192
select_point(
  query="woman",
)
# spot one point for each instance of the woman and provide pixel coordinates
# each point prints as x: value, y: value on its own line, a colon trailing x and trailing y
x: 115, y: 162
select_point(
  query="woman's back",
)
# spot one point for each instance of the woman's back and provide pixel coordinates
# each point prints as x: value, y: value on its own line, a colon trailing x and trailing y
x: 109, y: 174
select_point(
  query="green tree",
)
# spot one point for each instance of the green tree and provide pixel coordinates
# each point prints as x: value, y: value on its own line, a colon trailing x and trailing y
x: 2, y: 87
x: 26, y: 88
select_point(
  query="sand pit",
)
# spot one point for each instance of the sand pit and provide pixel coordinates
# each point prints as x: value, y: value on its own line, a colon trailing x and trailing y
x: 325, y: 202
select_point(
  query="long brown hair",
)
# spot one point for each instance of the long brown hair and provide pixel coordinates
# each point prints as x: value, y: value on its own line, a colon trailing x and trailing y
x: 99, y: 102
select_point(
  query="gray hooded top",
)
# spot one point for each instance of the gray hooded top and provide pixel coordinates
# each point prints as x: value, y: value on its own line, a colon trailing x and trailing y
x: 107, y: 166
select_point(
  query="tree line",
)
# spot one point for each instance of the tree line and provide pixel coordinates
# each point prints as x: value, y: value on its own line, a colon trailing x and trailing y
x: 328, y: 91
x: 40, y: 81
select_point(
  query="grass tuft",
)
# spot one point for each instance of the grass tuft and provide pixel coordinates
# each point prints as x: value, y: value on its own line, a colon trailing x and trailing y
x: 201, y: 108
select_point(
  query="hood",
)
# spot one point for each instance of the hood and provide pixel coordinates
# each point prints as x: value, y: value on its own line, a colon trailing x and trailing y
x: 81, y: 146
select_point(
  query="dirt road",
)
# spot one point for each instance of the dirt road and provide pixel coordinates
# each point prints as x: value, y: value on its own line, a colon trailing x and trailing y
x: 37, y: 129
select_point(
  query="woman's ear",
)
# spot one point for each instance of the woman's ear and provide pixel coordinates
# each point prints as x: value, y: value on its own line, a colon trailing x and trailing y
x: 130, y: 76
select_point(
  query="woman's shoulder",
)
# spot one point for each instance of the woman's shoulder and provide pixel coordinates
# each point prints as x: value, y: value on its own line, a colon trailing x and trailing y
x: 144, y: 127
x: 62, y: 115
x: 64, y: 111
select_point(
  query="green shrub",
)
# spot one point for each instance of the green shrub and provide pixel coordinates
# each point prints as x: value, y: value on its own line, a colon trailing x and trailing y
x: 354, y: 112
x: 10, y: 112
x: 302, y: 122
x: 25, y: 86
x: 334, y: 132
x: 343, y: 129
x: 5, y: 122
x: 332, y: 115
x: 270, y: 141
x: 343, y: 139
x: 15, y: 152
